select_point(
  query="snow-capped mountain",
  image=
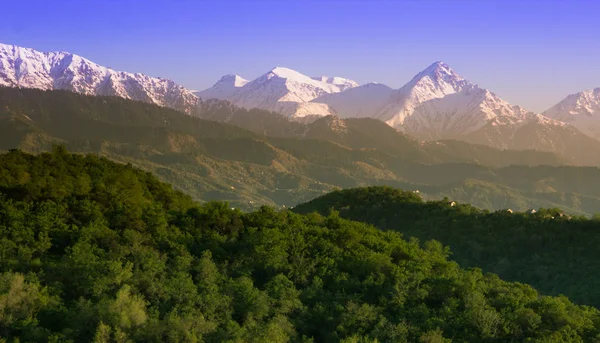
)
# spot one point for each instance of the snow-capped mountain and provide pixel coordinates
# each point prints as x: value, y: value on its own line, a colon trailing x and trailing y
x: 28, y: 68
x: 435, y: 82
x: 364, y: 101
x: 438, y: 103
x: 224, y: 88
x: 581, y: 110
x: 285, y: 91
x: 341, y: 82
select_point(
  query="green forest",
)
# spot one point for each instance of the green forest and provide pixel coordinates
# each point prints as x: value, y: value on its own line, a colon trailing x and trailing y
x: 261, y: 158
x: 95, y: 251
x: 547, y: 248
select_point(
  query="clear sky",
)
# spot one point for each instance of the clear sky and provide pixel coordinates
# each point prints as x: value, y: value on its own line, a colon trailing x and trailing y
x: 532, y: 53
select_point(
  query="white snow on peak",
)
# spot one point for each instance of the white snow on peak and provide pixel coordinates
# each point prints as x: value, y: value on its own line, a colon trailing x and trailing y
x: 439, y: 103
x: 287, y: 73
x: 281, y: 90
x: 292, y: 76
x: 435, y: 82
x: 341, y: 82
x: 582, y: 110
x: 236, y: 80
x: 438, y: 69
x: 224, y: 88
x: 29, y: 68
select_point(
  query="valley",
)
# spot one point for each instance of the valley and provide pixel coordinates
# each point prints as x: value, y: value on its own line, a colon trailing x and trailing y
x: 295, y: 162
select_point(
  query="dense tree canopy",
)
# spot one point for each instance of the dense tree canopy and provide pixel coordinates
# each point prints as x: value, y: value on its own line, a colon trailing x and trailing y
x: 95, y: 251
x: 551, y: 250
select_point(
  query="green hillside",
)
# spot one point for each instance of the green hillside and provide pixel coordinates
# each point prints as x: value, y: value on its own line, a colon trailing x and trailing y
x: 94, y: 251
x: 552, y: 251
x: 217, y: 161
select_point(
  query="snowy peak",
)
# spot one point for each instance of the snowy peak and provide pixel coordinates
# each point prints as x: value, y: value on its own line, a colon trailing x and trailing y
x: 281, y: 90
x: 438, y: 70
x: 224, y: 88
x: 581, y: 110
x: 341, y: 82
x: 292, y: 77
x: 435, y: 81
x: 234, y: 80
x: 29, y: 68
x: 586, y: 103
x: 286, y: 73
x: 438, y: 103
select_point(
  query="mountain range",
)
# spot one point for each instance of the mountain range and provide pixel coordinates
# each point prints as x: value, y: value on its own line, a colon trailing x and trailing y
x: 436, y: 104
x: 28, y: 68
x: 280, y: 90
x: 581, y: 110
x: 296, y: 161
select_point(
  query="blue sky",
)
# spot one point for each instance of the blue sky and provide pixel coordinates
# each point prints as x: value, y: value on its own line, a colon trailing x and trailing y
x: 532, y: 53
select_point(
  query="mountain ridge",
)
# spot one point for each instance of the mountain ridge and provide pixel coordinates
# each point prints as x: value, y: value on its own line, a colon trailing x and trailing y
x: 223, y: 88
x: 581, y: 110
x: 282, y: 90
x: 436, y: 104
x: 439, y: 103
x: 213, y: 161
x: 29, y: 68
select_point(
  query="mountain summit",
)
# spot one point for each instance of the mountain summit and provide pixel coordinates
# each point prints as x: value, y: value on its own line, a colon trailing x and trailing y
x: 28, y: 68
x: 435, y: 104
x: 224, y: 88
x: 341, y: 82
x: 285, y: 91
x: 581, y: 110
x: 438, y: 103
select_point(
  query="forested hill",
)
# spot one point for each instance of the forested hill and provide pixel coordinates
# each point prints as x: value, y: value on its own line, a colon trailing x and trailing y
x: 551, y: 250
x: 217, y: 161
x: 93, y: 251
